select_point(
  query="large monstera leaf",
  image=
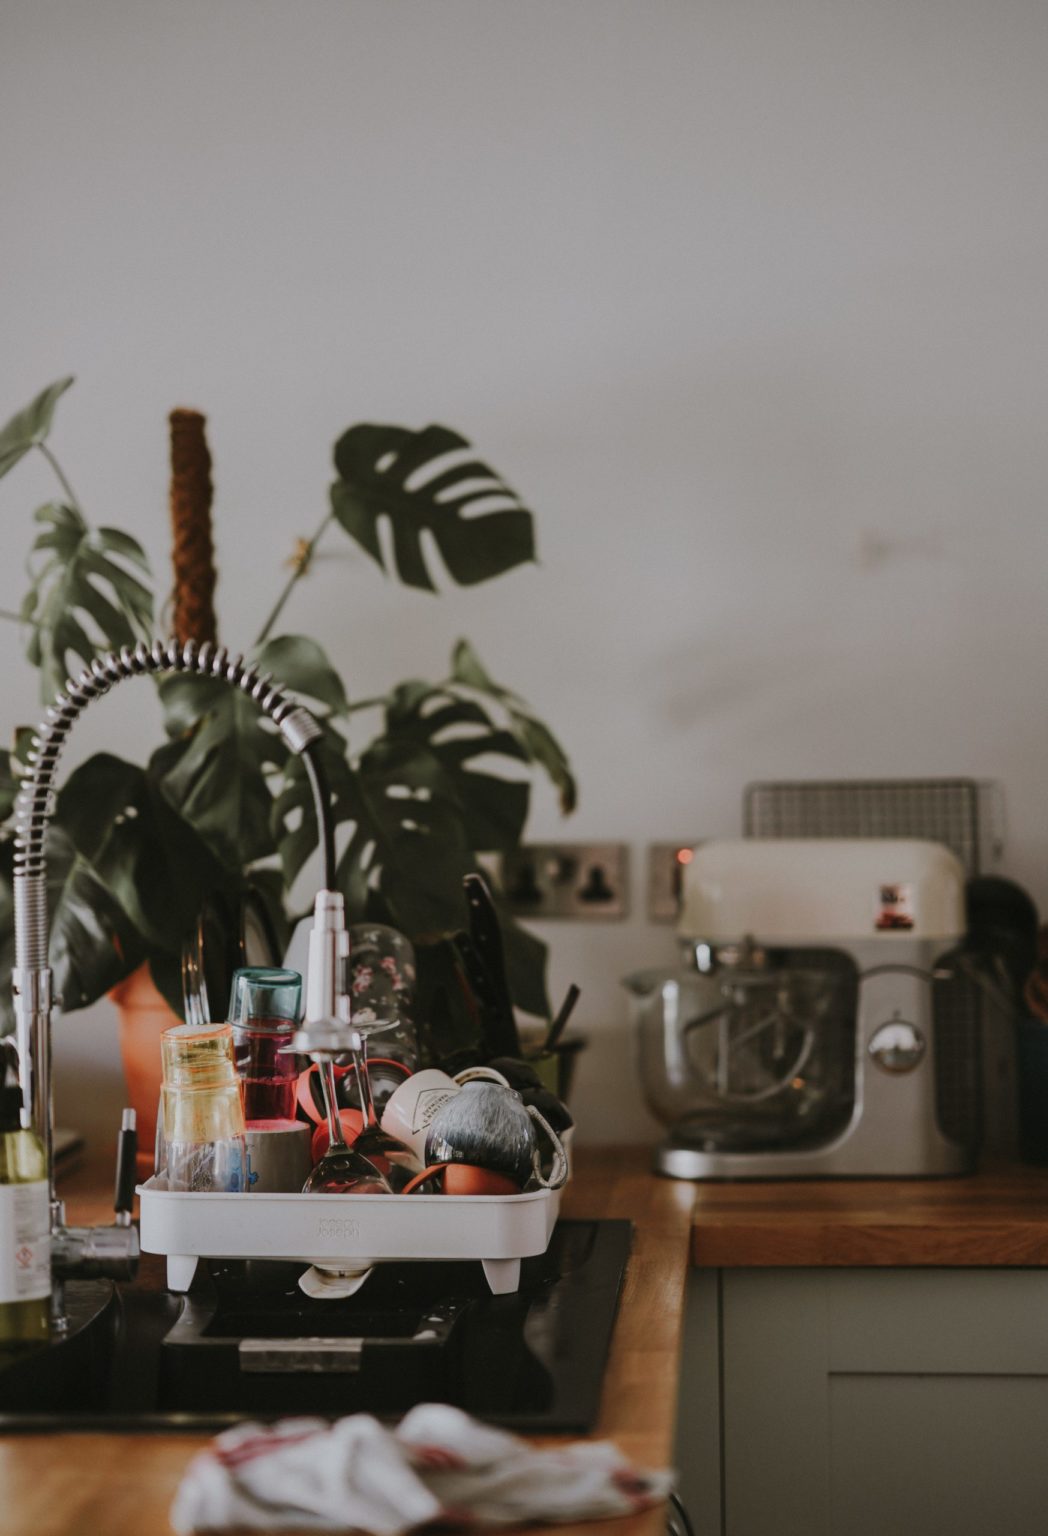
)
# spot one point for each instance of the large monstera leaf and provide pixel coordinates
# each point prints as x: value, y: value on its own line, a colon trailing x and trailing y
x: 421, y: 808
x: 407, y: 851
x: 152, y: 863
x: 421, y: 804
x: 478, y: 523
x: 218, y: 767
x: 215, y: 769
x: 453, y: 732
x: 93, y: 945
x: 83, y: 598
x: 536, y: 740
x: 93, y: 941
x: 126, y: 878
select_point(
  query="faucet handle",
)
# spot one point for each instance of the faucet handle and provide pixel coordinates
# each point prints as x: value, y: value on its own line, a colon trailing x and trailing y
x: 126, y: 1148
x: 111, y: 1253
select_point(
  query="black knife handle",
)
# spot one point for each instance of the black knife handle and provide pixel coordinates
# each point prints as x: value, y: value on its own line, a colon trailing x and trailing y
x: 126, y: 1148
x: 484, y: 931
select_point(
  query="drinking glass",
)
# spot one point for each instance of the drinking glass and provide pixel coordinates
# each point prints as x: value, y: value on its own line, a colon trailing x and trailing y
x: 381, y: 979
x: 264, y: 1007
x: 200, y: 1128
x: 382, y: 988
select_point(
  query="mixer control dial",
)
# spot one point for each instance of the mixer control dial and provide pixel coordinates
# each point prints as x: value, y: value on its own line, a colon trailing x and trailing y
x: 897, y: 1046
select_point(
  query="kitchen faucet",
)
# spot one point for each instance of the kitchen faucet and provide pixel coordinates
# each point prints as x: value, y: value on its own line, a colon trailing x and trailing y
x: 112, y: 1252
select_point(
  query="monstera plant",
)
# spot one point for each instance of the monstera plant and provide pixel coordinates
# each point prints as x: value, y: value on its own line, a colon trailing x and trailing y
x: 220, y: 807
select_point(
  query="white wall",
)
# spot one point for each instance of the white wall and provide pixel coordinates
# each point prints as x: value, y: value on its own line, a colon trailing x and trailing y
x: 748, y: 300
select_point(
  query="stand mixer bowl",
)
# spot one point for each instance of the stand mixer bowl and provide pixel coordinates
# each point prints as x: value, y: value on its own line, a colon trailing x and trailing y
x: 750, y: 1053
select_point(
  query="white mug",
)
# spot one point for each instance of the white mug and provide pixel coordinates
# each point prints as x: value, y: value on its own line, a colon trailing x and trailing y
x: 410, y: 1108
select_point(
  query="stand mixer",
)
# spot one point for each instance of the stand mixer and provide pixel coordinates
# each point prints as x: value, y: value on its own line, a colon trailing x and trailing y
x: 821, y: 1023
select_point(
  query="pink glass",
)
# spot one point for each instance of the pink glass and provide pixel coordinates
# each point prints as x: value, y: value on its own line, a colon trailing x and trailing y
x: 263, y: 1011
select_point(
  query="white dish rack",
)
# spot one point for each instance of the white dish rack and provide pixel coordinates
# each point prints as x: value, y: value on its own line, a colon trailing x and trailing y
x: 351, y: 1232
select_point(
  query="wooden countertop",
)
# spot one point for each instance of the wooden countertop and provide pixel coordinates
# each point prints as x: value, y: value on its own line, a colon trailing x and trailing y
x: 123, y: 1485
x: 994, y: 1218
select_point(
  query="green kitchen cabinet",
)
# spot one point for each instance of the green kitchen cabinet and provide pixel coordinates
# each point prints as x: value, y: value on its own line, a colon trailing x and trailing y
x: 865, y: 1402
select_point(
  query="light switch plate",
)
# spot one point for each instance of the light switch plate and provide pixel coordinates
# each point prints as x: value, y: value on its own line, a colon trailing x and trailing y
x: 666, y: 863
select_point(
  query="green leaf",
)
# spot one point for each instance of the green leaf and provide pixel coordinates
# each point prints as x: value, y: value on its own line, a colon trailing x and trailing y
x: 121, y: 543
x: 216, y: 769
x: 10, y: 784
x: 223, y: 755
x: 30, y: 427
x: 92, y: 944
x: 421, y: 803
x: 82, y: 600
x: 299, y: 664
x: 408, y: 848
x: 102, y: 792
x: 12, y: 768
x: 536, y: 740
x: 455, y: 732
x: 149, y: 860
x: 375, y: 465
x: 410, y: 841
x: 127, y: 879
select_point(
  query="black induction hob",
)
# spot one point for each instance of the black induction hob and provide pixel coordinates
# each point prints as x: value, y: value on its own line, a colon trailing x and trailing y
x: 247, y: 1343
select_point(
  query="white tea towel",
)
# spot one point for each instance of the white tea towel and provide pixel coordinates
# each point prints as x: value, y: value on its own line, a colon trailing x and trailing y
x: 488, y: 1477
x: 438, y: 1465
x: 305, y: 1473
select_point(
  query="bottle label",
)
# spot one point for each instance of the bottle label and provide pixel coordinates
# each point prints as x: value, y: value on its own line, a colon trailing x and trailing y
x: 25, y: 1241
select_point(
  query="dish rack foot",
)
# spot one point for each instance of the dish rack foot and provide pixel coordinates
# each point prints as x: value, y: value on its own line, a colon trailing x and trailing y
x: 181, y: 1267
x: 502, y: 1275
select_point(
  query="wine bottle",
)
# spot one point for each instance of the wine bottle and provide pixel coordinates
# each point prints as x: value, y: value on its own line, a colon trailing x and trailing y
x: 25, y: 1226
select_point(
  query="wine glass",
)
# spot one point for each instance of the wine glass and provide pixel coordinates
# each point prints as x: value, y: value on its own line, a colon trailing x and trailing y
x: 343, y: 1170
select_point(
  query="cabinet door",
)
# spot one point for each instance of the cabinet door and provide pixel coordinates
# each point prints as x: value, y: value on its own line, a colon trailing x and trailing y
x: 884, y: 1402
x: 698, y: 1449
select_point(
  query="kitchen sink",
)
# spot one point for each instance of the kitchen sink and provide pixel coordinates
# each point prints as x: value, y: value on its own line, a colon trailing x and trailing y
x: 246, y: 1342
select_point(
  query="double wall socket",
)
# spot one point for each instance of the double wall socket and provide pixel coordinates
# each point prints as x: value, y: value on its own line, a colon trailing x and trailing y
x: 580, y: 880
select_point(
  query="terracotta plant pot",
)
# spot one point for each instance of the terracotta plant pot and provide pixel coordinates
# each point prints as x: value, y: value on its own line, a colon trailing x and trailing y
x: 144, y: 1015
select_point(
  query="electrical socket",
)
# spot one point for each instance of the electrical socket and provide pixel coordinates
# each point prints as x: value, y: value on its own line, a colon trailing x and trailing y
x: 666, y: 863
x: 579, y: 880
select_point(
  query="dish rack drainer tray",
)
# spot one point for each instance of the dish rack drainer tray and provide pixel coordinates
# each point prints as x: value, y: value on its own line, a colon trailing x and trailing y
x: 347, y: 1231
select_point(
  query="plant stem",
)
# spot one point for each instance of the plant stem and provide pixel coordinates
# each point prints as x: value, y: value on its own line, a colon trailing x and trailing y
x: 49, y: 456
x: 302, y: 565
x: 16, y: 618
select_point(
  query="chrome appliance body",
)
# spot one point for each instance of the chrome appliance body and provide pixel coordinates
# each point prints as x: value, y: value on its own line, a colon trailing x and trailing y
x: 822, y: 1024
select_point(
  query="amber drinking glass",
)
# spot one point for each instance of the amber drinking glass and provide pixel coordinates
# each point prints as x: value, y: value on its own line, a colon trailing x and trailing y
x: 200, y: 1128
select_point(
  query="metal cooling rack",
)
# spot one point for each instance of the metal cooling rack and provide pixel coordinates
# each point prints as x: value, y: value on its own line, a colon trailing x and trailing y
x: 962, y: 813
